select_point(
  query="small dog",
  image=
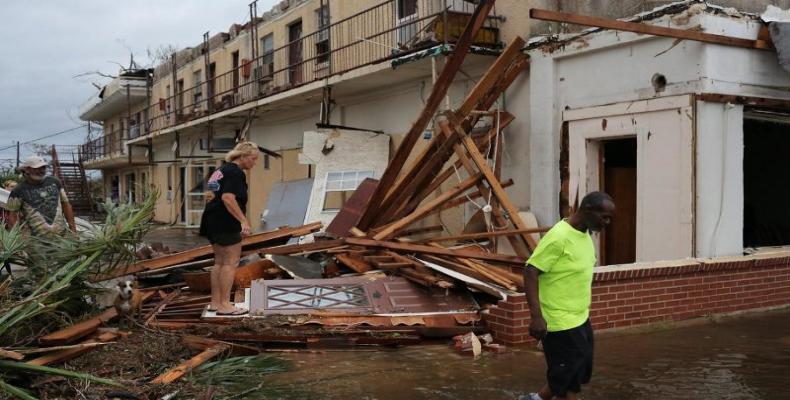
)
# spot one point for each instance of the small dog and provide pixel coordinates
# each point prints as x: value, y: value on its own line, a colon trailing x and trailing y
x: 129, y: 300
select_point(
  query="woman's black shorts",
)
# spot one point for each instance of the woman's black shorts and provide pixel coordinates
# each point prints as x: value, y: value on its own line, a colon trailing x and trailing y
x: 224, y: 238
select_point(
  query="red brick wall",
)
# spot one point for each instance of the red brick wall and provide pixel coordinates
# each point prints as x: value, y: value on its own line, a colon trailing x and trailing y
x: 644, y: 294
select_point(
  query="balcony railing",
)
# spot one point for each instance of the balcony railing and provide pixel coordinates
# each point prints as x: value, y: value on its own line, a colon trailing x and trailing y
x: 109, y: 145
x: 376, y: 34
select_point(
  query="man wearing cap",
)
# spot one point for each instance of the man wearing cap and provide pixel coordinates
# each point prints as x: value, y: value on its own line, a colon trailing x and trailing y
x: 40, y: 201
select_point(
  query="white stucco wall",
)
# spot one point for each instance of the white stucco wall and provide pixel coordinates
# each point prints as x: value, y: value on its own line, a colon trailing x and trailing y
x: 616, y: 67
x: 351, y: 151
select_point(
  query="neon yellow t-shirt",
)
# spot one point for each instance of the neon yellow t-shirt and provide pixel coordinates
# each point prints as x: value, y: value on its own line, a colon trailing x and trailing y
x: 567, y: 257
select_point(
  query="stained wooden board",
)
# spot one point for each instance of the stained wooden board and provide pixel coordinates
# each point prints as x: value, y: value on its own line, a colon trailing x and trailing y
x: 181, y: 370
x: 68, y: 354
x: 416, y: 248
x: 249, y: 242
x: 352, y: 210
x: 83, y: 328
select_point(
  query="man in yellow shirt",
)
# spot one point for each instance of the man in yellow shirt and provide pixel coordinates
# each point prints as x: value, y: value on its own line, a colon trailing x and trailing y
x: 558, y: 280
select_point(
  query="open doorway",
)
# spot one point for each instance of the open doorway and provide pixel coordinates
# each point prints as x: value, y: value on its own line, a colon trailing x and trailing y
x: 766, y: 193
x: 618, y: 179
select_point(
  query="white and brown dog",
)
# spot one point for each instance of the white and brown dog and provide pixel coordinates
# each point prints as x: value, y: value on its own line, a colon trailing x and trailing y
x: 129, y: 300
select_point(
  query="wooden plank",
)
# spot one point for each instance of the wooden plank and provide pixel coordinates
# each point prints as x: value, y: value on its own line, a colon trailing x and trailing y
x: 302, y: 248
x: 439, y: 91
x: 200, y: 343
x: 253, y: 241
x: 165, y: 301
x: 68, y: 354
x: 462, y: 200
x: 359, y: 266
x: 11, y: 355
x: 745, y: 100
x: 417, y: 248
x: 520, y: 248
x: 181, y: 370
x: 441, y: 178
x: 424, y: 175
x: 352, y: 210
x: 422, y: 211
x: 485, y: 235
x: 420, y: 231
x: 646, y: 29
x: 492, y: 75
x: 493, y: 183
x: 83, y: 328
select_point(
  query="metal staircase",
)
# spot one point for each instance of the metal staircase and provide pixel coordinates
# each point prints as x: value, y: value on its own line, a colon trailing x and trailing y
x: 72, y: 175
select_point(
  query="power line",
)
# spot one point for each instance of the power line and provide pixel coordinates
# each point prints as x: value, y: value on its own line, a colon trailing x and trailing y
x: 45, y: 137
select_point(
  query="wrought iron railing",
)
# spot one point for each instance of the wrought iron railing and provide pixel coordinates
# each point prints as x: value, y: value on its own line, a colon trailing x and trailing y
x: 376, y: 34
x: 109, y: 144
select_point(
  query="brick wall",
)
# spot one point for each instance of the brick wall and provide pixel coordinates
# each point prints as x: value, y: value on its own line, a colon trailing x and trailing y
x: 641, y: 294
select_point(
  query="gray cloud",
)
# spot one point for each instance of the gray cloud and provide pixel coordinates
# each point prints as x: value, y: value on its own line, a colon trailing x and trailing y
x: 46, y: 43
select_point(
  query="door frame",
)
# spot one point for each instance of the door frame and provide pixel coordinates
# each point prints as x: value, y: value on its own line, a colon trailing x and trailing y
x: 585, y: 176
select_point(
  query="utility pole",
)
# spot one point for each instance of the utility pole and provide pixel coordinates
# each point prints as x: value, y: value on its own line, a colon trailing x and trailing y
x: 17, y: 154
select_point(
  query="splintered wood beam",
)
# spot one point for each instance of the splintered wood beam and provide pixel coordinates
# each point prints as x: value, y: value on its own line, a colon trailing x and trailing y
x: 490, y: 177
x: 647, y: 29
x: 427, y: 172
x: 435, y: 99
x: 461, y: 200
x: 420, y: 231
x: 489, y: 80
x: 70, y: 353
x: 423, y: 249
x: 357, y: 265
x: 419, y: 213
x: 253, y: 241
x: 506, y: 119
x: 519, y: 65
x: 181, y: 370
x: 485, y: 235
x: 305, y: 247
x: 521, y: 249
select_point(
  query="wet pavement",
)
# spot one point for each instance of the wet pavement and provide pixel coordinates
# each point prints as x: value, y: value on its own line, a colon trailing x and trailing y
x: 743, y: 358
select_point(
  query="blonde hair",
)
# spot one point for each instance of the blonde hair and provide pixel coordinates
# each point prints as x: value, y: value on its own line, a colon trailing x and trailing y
x: 242, y: 149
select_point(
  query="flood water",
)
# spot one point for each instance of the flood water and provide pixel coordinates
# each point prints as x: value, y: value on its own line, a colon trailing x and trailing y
x: 743, y: 358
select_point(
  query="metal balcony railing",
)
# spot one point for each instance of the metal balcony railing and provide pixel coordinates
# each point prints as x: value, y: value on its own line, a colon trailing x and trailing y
x: 379, y: 33
x: 108, y: 145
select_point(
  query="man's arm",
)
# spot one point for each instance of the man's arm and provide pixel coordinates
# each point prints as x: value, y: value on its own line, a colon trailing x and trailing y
x: 537, y: 325
x: 68, y: 212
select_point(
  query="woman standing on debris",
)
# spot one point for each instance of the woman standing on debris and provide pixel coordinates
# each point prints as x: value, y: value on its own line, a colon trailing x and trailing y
x: 224, y: 223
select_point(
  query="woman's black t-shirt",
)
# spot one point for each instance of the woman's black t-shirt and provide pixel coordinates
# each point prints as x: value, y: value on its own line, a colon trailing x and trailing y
x: 229, y: 178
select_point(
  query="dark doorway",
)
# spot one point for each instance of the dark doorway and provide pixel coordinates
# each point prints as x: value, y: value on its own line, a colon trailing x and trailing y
x: 766, y: 174
x: 295, y: 53
x: 182, y: 177
x: 618, y: 242
x: 235, y: 66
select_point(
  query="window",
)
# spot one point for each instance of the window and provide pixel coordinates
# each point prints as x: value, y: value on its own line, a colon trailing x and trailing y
x: 198, y: 78
x: 340, y: 186
x: 322, y: 38
x: 267, y: 56
x: 179, y: 95
x: 131, y: 188
x: 235, y: 65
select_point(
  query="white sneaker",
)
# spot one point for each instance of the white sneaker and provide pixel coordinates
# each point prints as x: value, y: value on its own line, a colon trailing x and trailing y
x: 531, y: 396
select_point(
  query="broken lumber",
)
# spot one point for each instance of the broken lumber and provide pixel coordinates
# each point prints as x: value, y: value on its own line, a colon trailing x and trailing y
x: 356, y: 264
x: 439, y: 91
x: 485, y: 235
x: 11, y: 354
x: 184, y: 368
x: 255, y: 241
x: 417, y: 248
x: 647, y: 29
x: 71, y: 353
x: 84, y: 328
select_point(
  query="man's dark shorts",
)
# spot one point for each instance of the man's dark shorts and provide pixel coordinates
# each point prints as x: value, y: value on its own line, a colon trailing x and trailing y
x: 224, y: 238
x: 569, y: 355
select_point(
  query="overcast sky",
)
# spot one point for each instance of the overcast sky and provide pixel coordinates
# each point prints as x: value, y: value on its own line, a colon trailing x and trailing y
x: 46, y: 43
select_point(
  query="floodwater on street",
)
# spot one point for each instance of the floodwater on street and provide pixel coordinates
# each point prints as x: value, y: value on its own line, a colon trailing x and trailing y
x: 747, y: 357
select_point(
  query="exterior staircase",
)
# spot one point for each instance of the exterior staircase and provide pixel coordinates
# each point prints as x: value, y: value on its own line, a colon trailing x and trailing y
x: 72, y: 175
